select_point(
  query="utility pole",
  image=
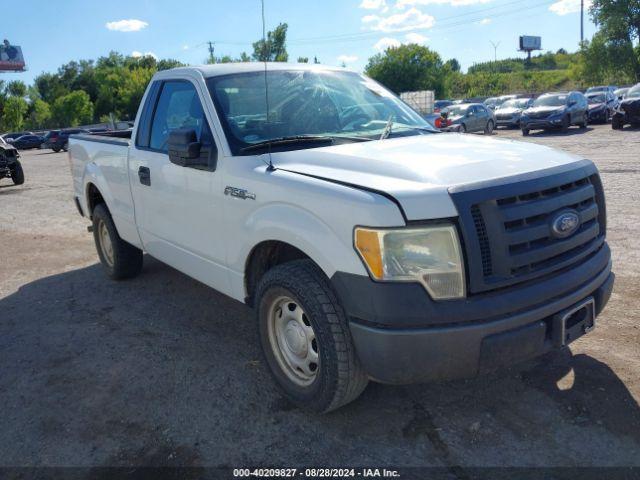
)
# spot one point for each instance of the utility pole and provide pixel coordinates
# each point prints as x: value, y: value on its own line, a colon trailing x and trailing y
x: 495, y: 51
x: 212, y: 58
x: 581, y: 21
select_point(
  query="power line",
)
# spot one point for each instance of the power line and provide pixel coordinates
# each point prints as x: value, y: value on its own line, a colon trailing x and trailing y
x: 212, y: 58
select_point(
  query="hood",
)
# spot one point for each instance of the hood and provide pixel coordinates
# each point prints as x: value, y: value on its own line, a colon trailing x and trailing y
x: 630, y: 101
x: 508, y: 111
x: 418, y: 170
x: 547, y: 110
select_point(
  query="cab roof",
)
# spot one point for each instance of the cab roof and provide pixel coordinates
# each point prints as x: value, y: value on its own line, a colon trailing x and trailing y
x: 219, y: 69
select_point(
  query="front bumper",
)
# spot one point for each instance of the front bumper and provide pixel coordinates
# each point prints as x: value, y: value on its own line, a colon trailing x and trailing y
x: 402, y: 336
x: 541, y: 123
x: 598, y: 115
x: 508, y: 122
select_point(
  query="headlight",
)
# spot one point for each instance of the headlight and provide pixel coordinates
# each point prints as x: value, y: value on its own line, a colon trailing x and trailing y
x: 429, y: 255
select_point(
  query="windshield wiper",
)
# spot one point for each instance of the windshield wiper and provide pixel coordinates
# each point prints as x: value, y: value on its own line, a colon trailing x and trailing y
x: 298, y: 139
x: 292, y: 140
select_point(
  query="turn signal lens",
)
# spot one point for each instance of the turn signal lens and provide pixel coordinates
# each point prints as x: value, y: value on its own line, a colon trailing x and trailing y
x: 368, y: 245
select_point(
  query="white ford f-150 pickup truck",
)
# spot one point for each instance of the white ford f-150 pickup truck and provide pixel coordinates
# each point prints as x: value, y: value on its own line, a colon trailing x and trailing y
x: 370, y: 246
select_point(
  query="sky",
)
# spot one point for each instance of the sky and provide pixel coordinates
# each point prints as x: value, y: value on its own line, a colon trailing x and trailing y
x: 335, y: 31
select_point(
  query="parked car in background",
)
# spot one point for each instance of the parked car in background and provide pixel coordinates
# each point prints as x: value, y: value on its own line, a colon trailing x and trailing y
x: 62, y: 140
x: 602, y: 88
x: 601, y: 106
x: 50, y: 138
x: 621, y: 92
x: 26, y: 142
x: 495, y: 102
x: 628, y: 111
x: 439, y: 105
x: 557, y: 110
x: 467, y: 117
x: 10, y: 137
x: 10, y: 166
x: 508, y: 114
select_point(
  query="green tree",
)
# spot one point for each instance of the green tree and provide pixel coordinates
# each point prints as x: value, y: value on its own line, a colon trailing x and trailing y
x: 73, y: 109
x: 303, y: 59
x: 619, y: 22
x: 15, y: 108
x: 274, y: 49
x: 16, y: 88
x: 40, y: 114
x: 408, y: 68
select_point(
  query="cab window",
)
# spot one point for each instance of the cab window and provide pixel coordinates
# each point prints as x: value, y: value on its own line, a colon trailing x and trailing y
x: 178, y: 106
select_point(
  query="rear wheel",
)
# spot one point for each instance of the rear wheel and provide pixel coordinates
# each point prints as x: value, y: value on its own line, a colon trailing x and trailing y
x: 56, y: 149
x: 584, y: 123
x: 525, y: 132
x: 306, y: 339
x: 616, y: 123
x: 462, y: 129
x: 566, y: 123
x: 488, y: 129
x: 17, y: 174
x: 120, y: 259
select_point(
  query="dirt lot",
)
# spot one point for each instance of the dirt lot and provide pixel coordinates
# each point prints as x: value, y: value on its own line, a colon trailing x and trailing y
x: 161, y: 370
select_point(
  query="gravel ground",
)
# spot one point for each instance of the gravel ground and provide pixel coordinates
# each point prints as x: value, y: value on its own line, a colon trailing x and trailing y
x: 162, y: 370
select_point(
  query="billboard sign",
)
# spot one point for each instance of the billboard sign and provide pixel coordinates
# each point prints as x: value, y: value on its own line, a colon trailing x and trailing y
x: 530, y: 43
x: 11, y: 59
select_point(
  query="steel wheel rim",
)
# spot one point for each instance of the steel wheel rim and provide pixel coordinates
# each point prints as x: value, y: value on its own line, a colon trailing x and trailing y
x: 293, y: 341
x: 105, y: 243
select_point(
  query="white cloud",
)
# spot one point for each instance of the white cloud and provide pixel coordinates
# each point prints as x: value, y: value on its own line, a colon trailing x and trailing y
x: 401, y: 4
x: 137, y: 54
x: 386, y: 42
x: 414, y: 37
x: 411, y: 19
x: 347, y: 58
x: 185, y: 47
x: 484, y: 21
x: 130, y: 25
x: 372, y: 4
x: 564, y: 7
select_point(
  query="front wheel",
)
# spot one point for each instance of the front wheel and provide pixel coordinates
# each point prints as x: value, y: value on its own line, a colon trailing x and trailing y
x: 616, y: 123
x: 120, y: 259
x: 525, y: 132
x: 566, y: 123
x: 306, y: 339
x: 17, y: 174
x: 488, y: 129
x: 56, y: 149
x: 462, y: 129
x: 585, y: 123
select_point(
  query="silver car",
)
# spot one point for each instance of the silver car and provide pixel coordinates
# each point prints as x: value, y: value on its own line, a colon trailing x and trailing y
x: 467, y: 117
x: 508, y: 114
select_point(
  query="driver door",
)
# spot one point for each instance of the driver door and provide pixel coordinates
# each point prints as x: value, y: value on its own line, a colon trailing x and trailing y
x: 178, y: 209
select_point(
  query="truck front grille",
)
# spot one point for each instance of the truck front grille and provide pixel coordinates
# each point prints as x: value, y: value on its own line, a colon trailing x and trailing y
x: 507, y: 230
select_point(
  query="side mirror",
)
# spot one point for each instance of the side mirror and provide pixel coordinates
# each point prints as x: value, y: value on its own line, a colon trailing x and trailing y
x: 184, y: 148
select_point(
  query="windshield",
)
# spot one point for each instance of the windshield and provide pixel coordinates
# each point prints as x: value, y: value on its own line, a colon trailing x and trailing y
x: 515, y: 103
x: 304, y: 103
x: 457, y: 110
x: 596, y: 99
x: 597, y: 89
x: 551, y: 101
x: 633, y: 92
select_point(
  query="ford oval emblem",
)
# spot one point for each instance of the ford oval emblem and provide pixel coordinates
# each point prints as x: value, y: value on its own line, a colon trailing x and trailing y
x: 565, y: 224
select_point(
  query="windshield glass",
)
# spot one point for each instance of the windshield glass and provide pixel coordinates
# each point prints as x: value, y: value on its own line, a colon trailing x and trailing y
x: 304, y: 103
x: 634, y: 92
x: 457, y: 110
x: 551, y: 101
x: 597, y: 98
x: 515, y: 103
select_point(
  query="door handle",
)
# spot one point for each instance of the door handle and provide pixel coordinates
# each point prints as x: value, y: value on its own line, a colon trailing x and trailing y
x: 144, y: 174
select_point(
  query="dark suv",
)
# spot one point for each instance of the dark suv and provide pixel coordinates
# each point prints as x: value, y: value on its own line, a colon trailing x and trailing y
x: 556, y: 110
x: 61, y: 142
x: 50, y: 138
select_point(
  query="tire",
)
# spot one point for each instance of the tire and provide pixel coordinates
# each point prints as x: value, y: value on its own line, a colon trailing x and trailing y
x: 298, y: 294
x: 616, y: 123
x: 566, y: 123
x: 585, y: 123
x: 488, y: 128
x: 56, y: 149
x: 121, y: 260
x: 463, y: 128
x: 17, y: 174
x: 525, y: 132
